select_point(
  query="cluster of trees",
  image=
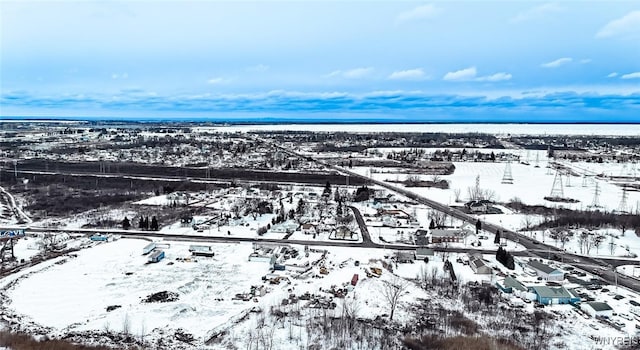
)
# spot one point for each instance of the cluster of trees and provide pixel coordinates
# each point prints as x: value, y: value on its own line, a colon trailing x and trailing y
x: 505, y: 258
x: 363, y: 194
x: 143, y: 223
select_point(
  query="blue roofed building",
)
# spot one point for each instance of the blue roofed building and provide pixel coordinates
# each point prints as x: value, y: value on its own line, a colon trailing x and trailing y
x: 554, y: 295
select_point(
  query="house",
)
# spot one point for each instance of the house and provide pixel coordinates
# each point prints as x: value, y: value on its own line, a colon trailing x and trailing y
x: 553, y: 295
x: 477, y: 206
x: 405, y: 256
x: 342, y: 232
x: 448, y: 235
x: 422, y: 253
x: 478, y: 266
x: 309, y: 229
x: 547, y: 272
x: 422, y: 238
x: 156, y: 256
x: 597, y: 309
x: 285, y: 227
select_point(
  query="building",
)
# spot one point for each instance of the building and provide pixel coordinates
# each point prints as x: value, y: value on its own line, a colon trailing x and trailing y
x: 512, y: 285
x: 422, y: 253
x: 405, y: 256
x: 422, y: 238
x: 156, y: 256
x: 478, y: 266
x: 597, y: 309
x: 477, y: 206
x: 99, y: 238
x: 201, y: 250
x: 448, y: 235
x: 553, y: 295
x: 547, y: 272
x: 309, y: 229
x: 148, y: 248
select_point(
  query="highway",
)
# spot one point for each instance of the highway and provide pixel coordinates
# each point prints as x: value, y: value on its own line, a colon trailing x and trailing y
x: 533, y: 247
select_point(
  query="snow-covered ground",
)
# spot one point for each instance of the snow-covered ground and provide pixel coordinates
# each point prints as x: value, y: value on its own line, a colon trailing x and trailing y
x: 530, y: 185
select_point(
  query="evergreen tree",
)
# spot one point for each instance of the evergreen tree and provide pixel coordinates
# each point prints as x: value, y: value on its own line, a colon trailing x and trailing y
x: 125, y: 223
x: 146, y: 223
x: 432, y: 224
x: 327, y: 190
x: 141, y: 223
x: 478, y: 227
x: 154, y: 224
x: 497, y: 239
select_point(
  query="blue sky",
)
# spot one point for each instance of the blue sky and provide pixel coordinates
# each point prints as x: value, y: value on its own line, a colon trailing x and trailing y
x: 408, y: 61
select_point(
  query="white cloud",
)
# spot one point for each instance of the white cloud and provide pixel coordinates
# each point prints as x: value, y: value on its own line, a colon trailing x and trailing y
x: 355, y: 73
x: 626, y: 26
x: 119, y: 76
x: 258, y: 68
x: 495, y: 77
x: 216, y: 80
x: 461, y: 75
x: 634, y: 75
x: 612, y: 75
x: 419, y: 13
x: 470, y: 74
x: 585, y: 61
x: 409, y: 74
x: 557, y: 63
x: 538, y: 12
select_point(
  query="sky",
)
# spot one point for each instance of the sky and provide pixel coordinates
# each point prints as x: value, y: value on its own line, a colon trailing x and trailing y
x: 566, y: 61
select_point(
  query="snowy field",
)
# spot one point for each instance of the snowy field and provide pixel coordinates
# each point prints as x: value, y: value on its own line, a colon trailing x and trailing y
x: 530, y: 185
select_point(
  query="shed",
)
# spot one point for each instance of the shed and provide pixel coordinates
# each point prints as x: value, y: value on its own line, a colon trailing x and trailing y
x: 156, y: 256
x: 597, y: 309
x: 201, y: 250
x: 148, y: 248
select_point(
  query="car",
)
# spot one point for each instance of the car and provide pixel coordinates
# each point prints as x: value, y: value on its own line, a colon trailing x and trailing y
x: 618, y: 297
x: 604, y: 290
x: 539, y: 306
x: 634, y: 303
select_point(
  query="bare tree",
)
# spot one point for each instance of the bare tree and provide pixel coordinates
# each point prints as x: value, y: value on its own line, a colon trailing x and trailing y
x: 392, y: 290
x: 563, y: 236
x: 456, y: 193
x: 612, y: 246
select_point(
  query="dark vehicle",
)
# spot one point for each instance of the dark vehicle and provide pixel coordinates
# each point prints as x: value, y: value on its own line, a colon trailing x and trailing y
x: 634, y: 303
x: 618, y: 297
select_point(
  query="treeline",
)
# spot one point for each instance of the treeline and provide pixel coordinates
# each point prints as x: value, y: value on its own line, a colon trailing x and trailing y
x: 555, y: 217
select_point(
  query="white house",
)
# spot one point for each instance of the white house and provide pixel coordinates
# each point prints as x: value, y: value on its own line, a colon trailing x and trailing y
x: 597, y: 309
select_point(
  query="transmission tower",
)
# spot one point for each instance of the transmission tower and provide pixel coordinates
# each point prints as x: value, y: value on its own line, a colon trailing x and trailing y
x: 623, y: 201
x: 584, y: 180
x: 557, y: 190
x: 507, y: 178
x: 596, y: 197
x: 568, y: 183
x: 537, y: 160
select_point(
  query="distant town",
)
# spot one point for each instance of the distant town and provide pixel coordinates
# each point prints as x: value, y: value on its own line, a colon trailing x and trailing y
x: 201, y: 236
